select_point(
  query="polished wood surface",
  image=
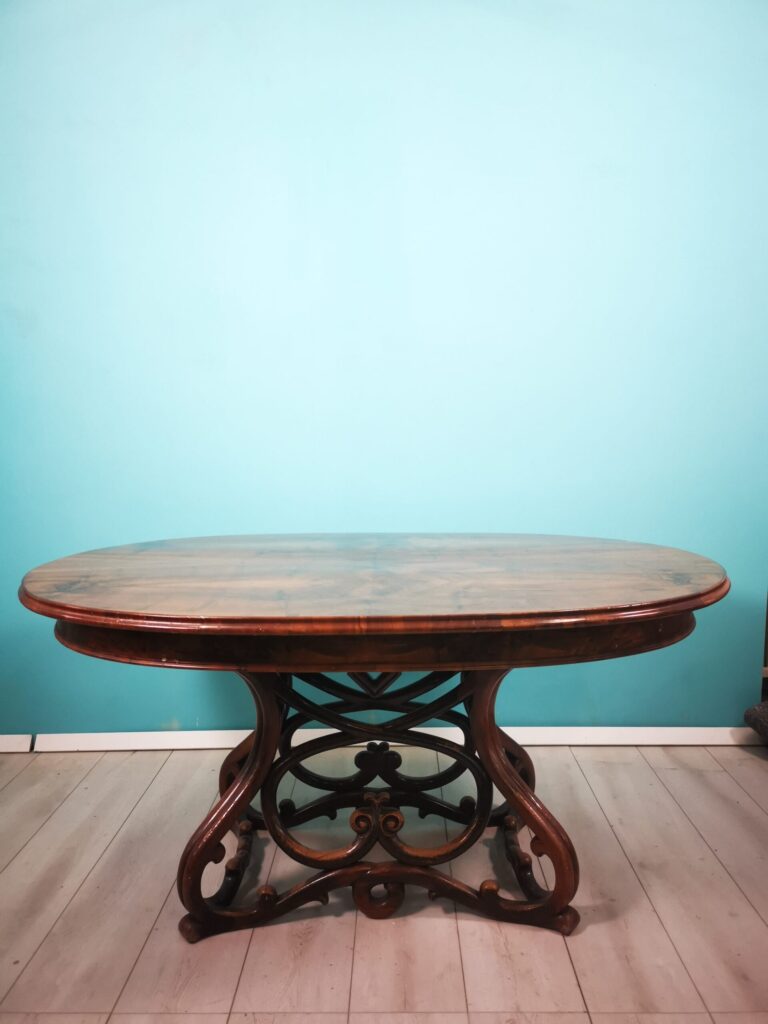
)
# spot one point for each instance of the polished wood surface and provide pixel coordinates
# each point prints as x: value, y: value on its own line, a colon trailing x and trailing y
x: 371, y: 583
x: 378, y: 652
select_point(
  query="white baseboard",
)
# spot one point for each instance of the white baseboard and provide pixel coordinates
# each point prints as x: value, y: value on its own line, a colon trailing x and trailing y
x: 15, y: 743
x: 622, y: 735
x: 174, y: 739
x: 528, y: 735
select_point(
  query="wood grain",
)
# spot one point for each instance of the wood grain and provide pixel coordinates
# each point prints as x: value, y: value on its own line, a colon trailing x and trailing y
x: 508, y: 967
x: 623, y: 957
x: 749, y: 767
x: 12, y: 764
x: 30, y: 799
x: 54, y: 1018
x: 718, y: 934
x: 285, y: 1018
x: 535, y: 1018
x: 303, y: 963
x: 172, y: 976
x: 40, y: 881
x: 734, y: 826
x: 168, y: 1018
x: 371, y: 583
x: 409, y: 1018
x: 377, y: 651
x: 411, y: 961
x: 689, y: 758
x: 657, y: 1018
x: 87, y: 956
x: 740, y: 1018
x: 43, y: 877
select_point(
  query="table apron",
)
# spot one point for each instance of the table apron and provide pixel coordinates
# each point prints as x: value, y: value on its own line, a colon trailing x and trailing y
x: 455, y: 651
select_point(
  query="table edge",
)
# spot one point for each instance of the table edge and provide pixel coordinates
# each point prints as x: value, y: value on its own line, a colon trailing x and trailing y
x: 372, y: 625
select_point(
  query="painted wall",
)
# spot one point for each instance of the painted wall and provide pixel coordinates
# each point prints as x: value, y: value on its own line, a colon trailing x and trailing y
x: 418, y: 265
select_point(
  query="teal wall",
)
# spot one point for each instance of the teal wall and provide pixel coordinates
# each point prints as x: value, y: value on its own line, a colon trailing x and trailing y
x: 356, y: 265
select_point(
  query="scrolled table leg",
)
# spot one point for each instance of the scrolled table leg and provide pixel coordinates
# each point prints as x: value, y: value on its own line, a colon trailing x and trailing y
x: 253, y: 759
x: 502, y: 759
x: 243, y: 829
x: 234, y: 761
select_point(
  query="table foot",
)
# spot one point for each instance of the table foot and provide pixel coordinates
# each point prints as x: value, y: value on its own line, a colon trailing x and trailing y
x: 374, y: 796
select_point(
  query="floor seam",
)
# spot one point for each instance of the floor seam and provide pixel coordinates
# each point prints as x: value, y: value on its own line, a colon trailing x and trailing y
x: 703, y: 838
x: 85, y: 878
x: 153, y: 1013
x: 584, y: 1008
x: 730, y: 774
x: 254, y: 930
x: 61, y: 803
x: 642, y: 886
x: 449, y: 867
x: 352, y: 966
x: 21, y: 770
x: 138, y: 957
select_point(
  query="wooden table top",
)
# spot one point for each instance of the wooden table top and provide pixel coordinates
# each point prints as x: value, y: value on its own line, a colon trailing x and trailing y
x: 371, y: 583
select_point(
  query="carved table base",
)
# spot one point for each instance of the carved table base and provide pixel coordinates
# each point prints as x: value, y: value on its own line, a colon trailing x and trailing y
x: 283, y: 612
x: 375, y: 795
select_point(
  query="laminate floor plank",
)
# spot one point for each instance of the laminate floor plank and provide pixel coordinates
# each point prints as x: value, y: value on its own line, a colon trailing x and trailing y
x: 740, y: 1018
x: 86, y: 958
x: 302, y: 963
x: 307, y: 967
x: 286, y: 1018
x: 623, y: 957
x: 696, y: 759
x: 405, y: 1018
x: 734, y: 826
x: 41, y: 880
x: 53, y: 1018
x: 174, y: 976
x: 167, y: 1018
x: 717, y: 933
x: 500, y: 969
x: 529, y: 1018
x: 651, y: 1018
x: 34, y: 794
x: 749, y: 767
x: 510, y: 968
x: 12, y: 764
x: 411, y: 962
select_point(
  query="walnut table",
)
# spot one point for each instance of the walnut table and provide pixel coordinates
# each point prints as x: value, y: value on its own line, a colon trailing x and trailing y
x: 291, y: 614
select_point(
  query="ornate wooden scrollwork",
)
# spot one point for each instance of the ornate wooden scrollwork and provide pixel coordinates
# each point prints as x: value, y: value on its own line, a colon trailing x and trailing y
x: 205, y: 845
x: 549, y: 837
x: 374, y: 795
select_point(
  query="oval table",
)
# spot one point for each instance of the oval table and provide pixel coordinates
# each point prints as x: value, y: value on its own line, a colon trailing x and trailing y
x: 290, y: 614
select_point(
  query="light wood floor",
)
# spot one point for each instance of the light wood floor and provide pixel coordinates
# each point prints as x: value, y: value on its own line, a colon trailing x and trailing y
x: 673, y: 844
